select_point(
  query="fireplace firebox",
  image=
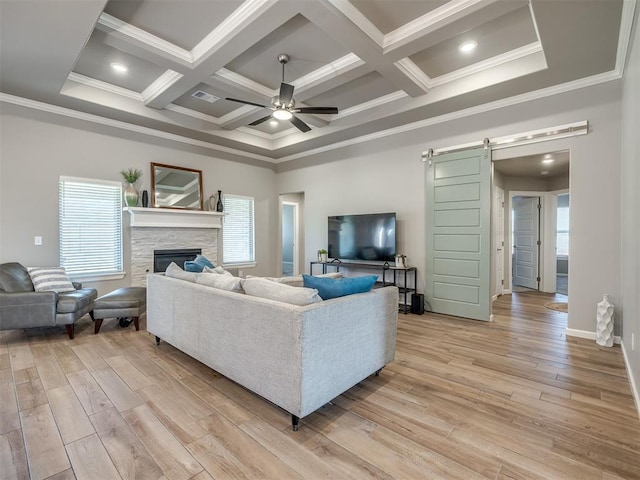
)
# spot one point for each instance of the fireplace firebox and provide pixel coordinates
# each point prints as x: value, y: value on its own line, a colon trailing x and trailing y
x: 163, y: 258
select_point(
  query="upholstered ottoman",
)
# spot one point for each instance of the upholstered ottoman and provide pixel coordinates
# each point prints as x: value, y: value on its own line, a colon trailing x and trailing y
x: 121, y: 303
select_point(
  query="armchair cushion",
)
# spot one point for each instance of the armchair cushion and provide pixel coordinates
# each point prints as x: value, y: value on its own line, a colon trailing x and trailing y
x: 70, y: 302
x: 14, y: 278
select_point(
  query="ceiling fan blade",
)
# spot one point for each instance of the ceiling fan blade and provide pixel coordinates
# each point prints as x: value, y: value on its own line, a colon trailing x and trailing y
x: 286, y: 93
x: 260, y: 120
x: 299, y: 124
x: 245, y: 102
x: 326, y: 110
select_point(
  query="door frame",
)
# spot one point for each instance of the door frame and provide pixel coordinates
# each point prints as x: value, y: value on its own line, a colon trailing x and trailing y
x: 547, y: 254
x: 497, y: 212
x: 296, y: 231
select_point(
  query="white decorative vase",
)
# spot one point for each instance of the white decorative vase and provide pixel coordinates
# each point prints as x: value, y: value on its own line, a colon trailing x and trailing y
x: 604, y: 323
x: 131, y: 195
x: 401, y: 261
x: 323, y: 257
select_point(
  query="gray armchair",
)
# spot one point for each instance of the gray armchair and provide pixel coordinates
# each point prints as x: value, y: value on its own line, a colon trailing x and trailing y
x: 22, y: 307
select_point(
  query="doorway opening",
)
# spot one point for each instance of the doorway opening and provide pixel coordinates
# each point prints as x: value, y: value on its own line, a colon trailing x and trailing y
x: 291, y: 234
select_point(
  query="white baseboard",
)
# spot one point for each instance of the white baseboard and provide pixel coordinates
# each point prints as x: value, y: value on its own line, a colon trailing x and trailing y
x: 588, y: 335
x: 507, y: 291
x: 632, y: 381
x: 494, y: 298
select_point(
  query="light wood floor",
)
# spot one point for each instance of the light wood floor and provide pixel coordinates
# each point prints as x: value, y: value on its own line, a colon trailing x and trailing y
x: 463, y: 399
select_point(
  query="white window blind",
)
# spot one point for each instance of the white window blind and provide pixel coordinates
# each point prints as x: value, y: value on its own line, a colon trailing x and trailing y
x: 238, y: 230
x: 90, y: 219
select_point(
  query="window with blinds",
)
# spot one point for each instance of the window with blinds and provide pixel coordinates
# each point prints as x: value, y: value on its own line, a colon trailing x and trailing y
x: 238, y: 230
x: 90, y: 219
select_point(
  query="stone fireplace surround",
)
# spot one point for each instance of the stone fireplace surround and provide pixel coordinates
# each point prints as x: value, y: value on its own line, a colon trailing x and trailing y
x: 162, y: 229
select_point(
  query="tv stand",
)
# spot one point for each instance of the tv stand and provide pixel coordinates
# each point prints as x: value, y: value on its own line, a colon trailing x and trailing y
x: 401, y: 277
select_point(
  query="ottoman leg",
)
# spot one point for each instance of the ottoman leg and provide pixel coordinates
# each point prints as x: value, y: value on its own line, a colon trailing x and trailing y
x: 97, y: 325
x: 136, y: 323
x: 70, y: 331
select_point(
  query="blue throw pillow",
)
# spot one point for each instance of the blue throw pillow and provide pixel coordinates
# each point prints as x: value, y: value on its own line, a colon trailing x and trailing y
x: 339, y: 287
x: 198, y: 264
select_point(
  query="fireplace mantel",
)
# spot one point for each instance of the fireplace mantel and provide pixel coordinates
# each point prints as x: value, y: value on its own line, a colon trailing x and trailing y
x: 172, y: 218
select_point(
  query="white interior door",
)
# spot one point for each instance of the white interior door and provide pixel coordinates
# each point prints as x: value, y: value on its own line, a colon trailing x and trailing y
x: 526, y: 230
x: 289, y: 239
x: 498, y: 236
x: 458, y: 191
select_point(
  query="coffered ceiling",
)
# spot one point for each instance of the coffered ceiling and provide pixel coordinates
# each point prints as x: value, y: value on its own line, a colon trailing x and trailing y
x: 385, y: 64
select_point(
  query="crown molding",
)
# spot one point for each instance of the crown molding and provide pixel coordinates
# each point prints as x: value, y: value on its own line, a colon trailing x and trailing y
x: 115, y: 24
x: 130, y: 127
x: 160, y: 85
x: 487, y: 107
x: 107, y: 87
x: 192, y: 113
x: 414, y: 73
x: 246, y: 82
x: 338, y: 67
x: 377, y: 102
x: 427, y: 22
x: 626, y: 25
x: 363, y: 23
x: 248, y: 12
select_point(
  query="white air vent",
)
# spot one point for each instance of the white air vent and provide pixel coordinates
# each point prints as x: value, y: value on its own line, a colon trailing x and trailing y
x: 207, y: 97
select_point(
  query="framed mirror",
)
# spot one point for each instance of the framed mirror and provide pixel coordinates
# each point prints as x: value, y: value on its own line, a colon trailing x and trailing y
x: 176, y: 187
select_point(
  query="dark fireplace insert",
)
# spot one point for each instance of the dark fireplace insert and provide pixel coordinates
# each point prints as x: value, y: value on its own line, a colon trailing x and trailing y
x: 162, y: 258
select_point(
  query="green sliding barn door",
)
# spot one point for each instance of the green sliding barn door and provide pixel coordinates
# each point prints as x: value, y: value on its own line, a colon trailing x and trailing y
x: 458, y: 233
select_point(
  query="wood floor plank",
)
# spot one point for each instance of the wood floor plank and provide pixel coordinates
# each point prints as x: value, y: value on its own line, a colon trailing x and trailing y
x: 122, y: 397
x: 30, y: 394
x: 90, y: 460
x: 175, y: 461
x: 9, y: 417
x: 129, y: 455
x: 13, y: 461
x: 50, y: 372
x: 71, y: 418
x: 133, y: 377
x: 91, y: 396
x: 46, y: 455
x: 89, y: 358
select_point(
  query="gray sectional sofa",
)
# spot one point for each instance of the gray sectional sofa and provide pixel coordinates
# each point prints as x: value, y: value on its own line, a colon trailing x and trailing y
x: 298, y: 357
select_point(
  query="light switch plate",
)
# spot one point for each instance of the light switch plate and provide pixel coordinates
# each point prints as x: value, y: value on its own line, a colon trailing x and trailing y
x: 37, y: 240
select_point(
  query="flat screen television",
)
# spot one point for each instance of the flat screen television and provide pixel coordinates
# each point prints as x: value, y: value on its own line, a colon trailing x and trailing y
x: 369, y: 237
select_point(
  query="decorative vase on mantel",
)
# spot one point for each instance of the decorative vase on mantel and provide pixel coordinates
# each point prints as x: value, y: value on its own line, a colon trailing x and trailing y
x: 131, y: 195
x: 604, y: 323
x: 219, y: 205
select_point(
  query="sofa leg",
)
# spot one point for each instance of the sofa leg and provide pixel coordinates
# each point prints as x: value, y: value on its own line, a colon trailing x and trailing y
x: 136, y: 322
x: 157, y: 340
x: 97, y: 325
x: 70, y: 331
x: 295, y: 421
x: 378, y: 372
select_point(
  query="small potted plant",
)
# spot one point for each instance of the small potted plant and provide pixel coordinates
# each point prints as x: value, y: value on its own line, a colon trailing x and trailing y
x: 322, y: 255
x: 131, y: 176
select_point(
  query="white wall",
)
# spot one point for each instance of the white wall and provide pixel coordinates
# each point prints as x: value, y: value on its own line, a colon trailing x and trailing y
x: 630, y: 255
x: 38, y: 147
x: 387, y: 175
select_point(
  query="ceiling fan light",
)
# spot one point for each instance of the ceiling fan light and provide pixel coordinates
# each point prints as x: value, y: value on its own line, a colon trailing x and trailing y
x: 282, y: 115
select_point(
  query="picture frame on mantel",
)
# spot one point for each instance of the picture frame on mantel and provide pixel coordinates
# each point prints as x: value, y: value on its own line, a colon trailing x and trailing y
x: 176, y: 187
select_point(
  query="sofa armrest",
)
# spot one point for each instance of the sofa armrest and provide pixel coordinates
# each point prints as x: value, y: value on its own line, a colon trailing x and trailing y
x: 77, y: 285
x: 27, y: 309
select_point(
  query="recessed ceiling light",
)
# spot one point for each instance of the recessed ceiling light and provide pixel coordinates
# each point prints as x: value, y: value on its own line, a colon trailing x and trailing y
x: 468, y: 46
x: 282, y: 114
x: 547, y: 161
x: 273, y: 123
x: 120, y: 68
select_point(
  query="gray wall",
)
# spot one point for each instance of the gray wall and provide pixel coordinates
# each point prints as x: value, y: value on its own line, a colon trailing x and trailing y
x: 630, y: 255
x: 38, y: 147
x: 387, y: 175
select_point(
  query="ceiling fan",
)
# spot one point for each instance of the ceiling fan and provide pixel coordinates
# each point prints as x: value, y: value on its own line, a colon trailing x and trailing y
x: 283, y: 105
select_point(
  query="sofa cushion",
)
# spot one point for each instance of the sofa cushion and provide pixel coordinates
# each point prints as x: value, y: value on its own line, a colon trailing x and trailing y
x: 198, y: 264
x: 70, y: 302
x: 296, y: 281
x: 219, y: 270
x: 50, y: 279
x: 174, y: 271
x: 339, y: 287
x: 224, y: 282
x: 14, y: 278
x: 261, y: 287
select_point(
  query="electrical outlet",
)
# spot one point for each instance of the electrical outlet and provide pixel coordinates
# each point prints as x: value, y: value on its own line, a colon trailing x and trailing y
x: 37, y: 240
